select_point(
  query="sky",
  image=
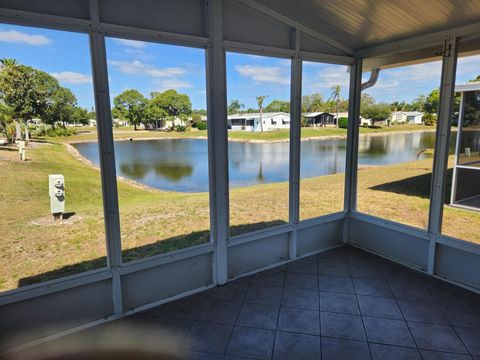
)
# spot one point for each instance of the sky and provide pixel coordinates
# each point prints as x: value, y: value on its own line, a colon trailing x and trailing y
x: 150, y: 67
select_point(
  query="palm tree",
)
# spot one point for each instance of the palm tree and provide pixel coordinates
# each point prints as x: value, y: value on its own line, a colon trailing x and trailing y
x: 6, y: 62
x: 235, y: 106
x: 335, y: 96
x: 260, y: 108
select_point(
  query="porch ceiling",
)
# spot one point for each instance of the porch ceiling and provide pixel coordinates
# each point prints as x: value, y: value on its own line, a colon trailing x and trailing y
x: 362, y: 24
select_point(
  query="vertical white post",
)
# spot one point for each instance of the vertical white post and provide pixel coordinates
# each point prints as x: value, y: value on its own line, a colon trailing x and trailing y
x: 442, y: 145
x: 295, y: 143
x: 351, y: 162
x: 458, y: 145
x: 106, y: 154
x: 217, y: 139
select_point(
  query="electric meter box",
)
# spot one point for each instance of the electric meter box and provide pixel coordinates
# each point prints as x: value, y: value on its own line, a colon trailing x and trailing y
x: 56, y: 189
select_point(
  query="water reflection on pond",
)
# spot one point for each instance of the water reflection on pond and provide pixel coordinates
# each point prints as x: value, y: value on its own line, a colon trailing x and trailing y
x: 182, y: 165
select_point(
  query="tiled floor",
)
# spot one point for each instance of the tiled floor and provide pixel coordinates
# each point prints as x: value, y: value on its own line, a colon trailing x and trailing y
x: 341, y: 304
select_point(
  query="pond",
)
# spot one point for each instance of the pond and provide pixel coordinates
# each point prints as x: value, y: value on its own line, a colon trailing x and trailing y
x: 182, y: 165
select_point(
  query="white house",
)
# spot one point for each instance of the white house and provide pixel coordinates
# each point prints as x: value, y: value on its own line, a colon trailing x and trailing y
x: 410, y: 117
x: 251, y: 121
x: 344, y: 114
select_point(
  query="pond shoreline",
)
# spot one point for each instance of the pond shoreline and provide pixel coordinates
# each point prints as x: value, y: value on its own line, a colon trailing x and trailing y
x: 310, y: 138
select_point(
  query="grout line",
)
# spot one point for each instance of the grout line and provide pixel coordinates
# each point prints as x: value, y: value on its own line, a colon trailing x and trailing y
x: 278, y: 315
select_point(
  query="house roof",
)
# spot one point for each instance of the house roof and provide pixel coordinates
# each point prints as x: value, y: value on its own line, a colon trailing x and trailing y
x: 315, y: 114
x: 257, y: 115
x: 471, y: 86
x: 408, y: 113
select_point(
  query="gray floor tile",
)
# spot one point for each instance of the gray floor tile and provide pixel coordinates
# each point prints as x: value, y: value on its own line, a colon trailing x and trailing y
x: 258, y: 316
x: 363, y: 271
x: 388, y: 331
x: 307, y: 265
x: 302, y: 281
x: 409, y: 291
x: 300, y: 298
x: 435, y: 355
x: 195, y: 355
x: 176, y: 327
x: 262, y: 294
x: 291, y: 346
x: 471, y: 339
x: 333, y: 268
x: 252, y: 343
x: 463, y: 317
x: 372, y: 287
x: 379, y: 306
x: 270, y: 278
x: 186, y: 309
x: 335, y: 284
x: 342, y: 303
x: 388, y: 352
x: 208, y: 337
x: 299, y: 320
x: 436, y: 337
x: 220, y: 311
x: 345, y: 326
x: 230, y: 292
x: 426, y: 312
x: 339, y: 349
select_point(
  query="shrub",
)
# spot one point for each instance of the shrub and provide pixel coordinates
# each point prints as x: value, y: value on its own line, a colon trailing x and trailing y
x: 201, y: 125
x: 48, y: 130
x: 343, y: 122
x: 180, y: 128
x: 429, y: 119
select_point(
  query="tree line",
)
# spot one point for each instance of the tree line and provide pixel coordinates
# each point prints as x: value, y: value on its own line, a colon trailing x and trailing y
x: 27, y: 93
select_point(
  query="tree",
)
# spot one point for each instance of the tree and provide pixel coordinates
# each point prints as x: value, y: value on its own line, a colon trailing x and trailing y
x: 235, y: 106
x: 61, y: 107
x: 260, y: 100
x: 431, y: 102
x: 418, y: 104
x: 335, y: 96
x: 175, y: 104
x: 278, y: 106
x: 312, y: 103
x: 376, y: 112
x: 130, y: 105
x: 476, y: 79
x: 81, y: 115
x: 26, y: 91
x: 5, y: 119
x: 366, y: 100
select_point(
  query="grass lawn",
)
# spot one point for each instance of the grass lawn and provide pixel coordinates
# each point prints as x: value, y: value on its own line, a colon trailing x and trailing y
x: 89, y: 134
x: 33, y: 248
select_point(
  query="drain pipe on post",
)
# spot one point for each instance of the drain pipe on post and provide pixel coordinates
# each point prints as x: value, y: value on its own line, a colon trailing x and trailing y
x: 373, y: 79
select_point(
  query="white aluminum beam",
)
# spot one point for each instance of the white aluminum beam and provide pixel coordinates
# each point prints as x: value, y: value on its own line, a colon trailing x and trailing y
x: 351, y: 164
x: 245, y: 48
x: 106, y: 154
x: 217, y: 139
x: 133, y: 33
x: 296, y: 25
x: 294, y: 163
x: 27, y: 18
x: 442, y: 142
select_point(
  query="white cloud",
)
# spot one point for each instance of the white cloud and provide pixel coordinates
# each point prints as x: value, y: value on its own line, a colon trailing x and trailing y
x: 268, y: 74
x: 165, y: 84
x: 131, y: 43
x: 136, y: 67
x: 70, y: 77
x: 13, y: 36
x: 328, y: 77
